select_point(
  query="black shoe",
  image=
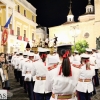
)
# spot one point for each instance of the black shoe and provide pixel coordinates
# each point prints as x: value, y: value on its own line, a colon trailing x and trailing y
x: 8, y: 88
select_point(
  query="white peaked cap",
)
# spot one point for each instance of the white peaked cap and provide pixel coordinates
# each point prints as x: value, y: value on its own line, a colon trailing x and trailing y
x: 20, y: 51
x: 76, y: 62
x: 25, y: 53
x: 42, y: 49
x: 75, y: 51
x: 30, y: 54
x: 85, y: 56
x: 89, y: 50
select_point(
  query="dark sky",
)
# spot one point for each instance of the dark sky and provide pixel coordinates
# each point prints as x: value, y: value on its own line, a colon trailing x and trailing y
x: 54, y: 12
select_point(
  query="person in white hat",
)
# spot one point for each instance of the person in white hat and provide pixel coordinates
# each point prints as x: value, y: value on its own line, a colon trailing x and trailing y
x: 93, y: 65
x: 62, y: 78
x: 27, y: 70
x: 96, y: 78
x: 17, y: 66
x: 85, y: 86
x: 76, y: 56
x: 12, y: 61
x: 20, y: 68
x: 40, y: 70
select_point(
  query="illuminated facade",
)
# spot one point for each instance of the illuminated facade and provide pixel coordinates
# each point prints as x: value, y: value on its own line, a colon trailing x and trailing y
x: 88, y: 27
x: 23, y: 24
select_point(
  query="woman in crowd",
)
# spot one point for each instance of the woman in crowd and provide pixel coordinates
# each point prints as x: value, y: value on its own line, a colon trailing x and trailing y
x: 85, y: 85
x: 5, y: 68
x: 40, y: 70
x: 62, y: 79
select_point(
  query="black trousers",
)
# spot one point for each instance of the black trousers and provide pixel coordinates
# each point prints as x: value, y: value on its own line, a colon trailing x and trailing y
x: 20, y: 77
x: 30, y: 87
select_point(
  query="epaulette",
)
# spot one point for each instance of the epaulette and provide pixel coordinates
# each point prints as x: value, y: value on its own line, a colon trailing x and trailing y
x: 52, y: 67
x: 77, y: 66
x: 35, y: 60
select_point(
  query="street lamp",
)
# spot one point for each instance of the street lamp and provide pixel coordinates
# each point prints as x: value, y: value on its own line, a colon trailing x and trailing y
x: 74, y: 32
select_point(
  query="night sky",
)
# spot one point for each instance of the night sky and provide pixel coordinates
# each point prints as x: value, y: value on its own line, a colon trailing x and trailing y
x: 54, y: 12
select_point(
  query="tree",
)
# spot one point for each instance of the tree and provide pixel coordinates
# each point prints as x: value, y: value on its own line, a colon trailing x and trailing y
x: 80, y: 46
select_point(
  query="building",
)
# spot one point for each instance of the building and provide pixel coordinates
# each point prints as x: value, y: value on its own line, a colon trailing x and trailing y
x: 23, y: 24
x: 86, y: 29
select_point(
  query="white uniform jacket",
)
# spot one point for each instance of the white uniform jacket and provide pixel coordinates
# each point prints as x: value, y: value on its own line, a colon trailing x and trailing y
x: 77, y: 58
x: 18, y: 62
x: 28, y: 67
x: 85, y: 86
x: 61, y: 85
x: 39, y: 70
x: 21, y: 65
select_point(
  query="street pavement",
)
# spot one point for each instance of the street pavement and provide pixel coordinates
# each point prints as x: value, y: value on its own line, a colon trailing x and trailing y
x: 18, y: 92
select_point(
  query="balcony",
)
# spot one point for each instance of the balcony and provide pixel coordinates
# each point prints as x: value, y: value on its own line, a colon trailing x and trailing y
x: 11, y: 32
x: 19, y: 37
x: 24, y: 19
x: 25, y: 39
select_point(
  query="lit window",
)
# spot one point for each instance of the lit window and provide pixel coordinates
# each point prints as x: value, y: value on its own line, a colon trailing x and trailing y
x: 24, y: 33
x: 25, y: 13
x: 18, y: 8
x: 32, y: 18
x: 32, y: 36
x: 18, y: 31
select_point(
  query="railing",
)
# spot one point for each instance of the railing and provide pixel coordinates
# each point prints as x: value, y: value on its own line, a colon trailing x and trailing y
x: 28, y: 5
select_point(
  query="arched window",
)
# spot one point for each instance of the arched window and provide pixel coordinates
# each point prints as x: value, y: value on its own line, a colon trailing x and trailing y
x: 32, y: 36
x: 18, y: 8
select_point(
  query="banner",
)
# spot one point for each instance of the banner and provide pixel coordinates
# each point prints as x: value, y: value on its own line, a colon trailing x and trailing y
x: 4, y: 37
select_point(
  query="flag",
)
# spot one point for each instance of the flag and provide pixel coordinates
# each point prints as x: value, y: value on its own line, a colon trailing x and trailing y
x: 8, y: 22
x: 4, y: 36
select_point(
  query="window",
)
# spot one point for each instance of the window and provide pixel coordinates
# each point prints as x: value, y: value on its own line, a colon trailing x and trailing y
x: 24, y: 33
x: 32, y: 36
x: 10, y: 26
x: 18, y: 8
x: 18, y: 31
x: 25, y: 13
x: 32, y: 18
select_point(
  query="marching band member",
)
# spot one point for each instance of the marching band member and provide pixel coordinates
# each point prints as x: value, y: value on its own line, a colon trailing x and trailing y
x: 85, y: 85
x: 93, y: 65
x: 40, y: 69
x: 13, y: 62
x: 76, y: 56
x: 27, y: 70
x: 17, y: 65
x: 96, y: 68
x: 62, y: 78
x: 20, y: 67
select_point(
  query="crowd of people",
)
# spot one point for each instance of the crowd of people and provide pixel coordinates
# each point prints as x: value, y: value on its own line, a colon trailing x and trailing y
x: 55, y: 74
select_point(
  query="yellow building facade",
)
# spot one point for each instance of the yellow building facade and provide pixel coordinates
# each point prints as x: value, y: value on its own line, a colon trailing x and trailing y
x: 23, y: 23
x: 86, y: 25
